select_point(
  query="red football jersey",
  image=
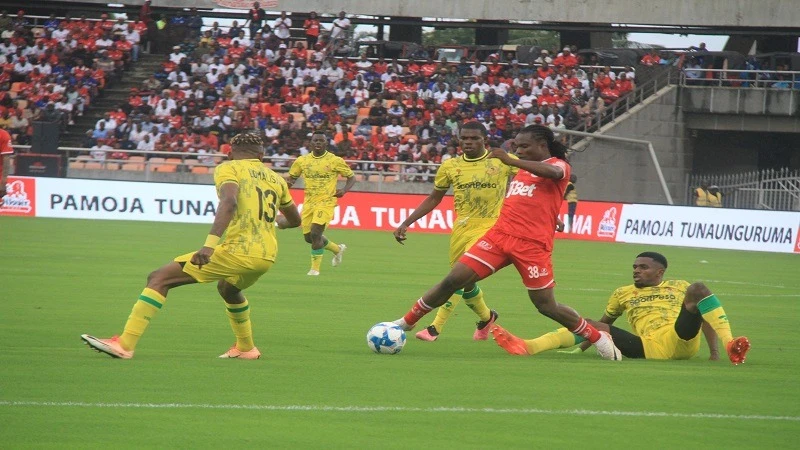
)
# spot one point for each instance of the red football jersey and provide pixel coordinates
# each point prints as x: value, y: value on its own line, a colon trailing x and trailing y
x: 531, y: 206
x: 5, y: 147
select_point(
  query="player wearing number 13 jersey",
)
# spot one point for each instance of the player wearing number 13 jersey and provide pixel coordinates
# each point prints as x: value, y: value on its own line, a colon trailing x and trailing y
x: 250, y: 197
x: 522, y: 236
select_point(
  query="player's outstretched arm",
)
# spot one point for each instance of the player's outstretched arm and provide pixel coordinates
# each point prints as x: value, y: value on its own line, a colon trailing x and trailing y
x: 537, y: 168
x: 711, y: 340
x: 228, y: 193
x: 426, y: 206
x: 290, y: 180
x: 290, y: 218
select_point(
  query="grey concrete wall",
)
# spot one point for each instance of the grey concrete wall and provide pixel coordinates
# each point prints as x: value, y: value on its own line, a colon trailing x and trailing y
x: 746, y: 13
x: 615, y: 171
x: 741, y: 122
x: 748, y: 101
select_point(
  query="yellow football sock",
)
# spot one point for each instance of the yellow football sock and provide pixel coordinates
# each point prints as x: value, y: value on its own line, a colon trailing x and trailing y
x: 474, y: 299
x: 561, y: 338
x: 145, y: 309
x: 316, y: 259
x: 714, y: 314
x: 239, y: 315
x: 444, y: 311
x: 331, y: 246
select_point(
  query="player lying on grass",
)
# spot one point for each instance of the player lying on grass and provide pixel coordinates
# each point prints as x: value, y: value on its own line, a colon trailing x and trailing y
x: 479, y: 186
x: 250, y: 196
x: 666, y: 316
x: 523, y: 236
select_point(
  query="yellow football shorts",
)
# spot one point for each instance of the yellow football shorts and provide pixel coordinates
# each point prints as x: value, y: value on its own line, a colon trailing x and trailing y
x: 240, y: 271
x: 321, y: 215
x: 666, y: 344
x: 465, y: 234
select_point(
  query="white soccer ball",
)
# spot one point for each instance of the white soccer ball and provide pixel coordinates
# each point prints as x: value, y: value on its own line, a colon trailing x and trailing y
x: 386, y: 337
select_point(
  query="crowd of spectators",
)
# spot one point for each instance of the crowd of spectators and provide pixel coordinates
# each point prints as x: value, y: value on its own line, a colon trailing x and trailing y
x: 253, y: 75
x: 54, y: 70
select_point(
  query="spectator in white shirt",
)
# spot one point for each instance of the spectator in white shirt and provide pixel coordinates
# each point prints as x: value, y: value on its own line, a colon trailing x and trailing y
x: 364, y: 64
x: 23, y: 66
x: 481, y: 85
x: 281, y: 26
x: 393, y: 130
x: 478, y: 69
x: 281, y: 160
x: 61, y: 33
x: 146, y: 144
x: 340, y: 26
x: 176, y: 56
x: 271, y: 132
x: 360, y: 94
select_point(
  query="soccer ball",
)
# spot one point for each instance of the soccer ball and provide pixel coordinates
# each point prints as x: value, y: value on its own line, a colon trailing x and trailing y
x: 386, y: 337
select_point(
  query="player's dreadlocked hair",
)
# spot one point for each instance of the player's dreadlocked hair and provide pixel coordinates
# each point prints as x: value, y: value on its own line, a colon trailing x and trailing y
x: 249, y: 142
x: 557, y: 149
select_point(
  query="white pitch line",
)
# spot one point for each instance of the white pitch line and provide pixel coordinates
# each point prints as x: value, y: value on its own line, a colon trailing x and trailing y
x: 374, y: 409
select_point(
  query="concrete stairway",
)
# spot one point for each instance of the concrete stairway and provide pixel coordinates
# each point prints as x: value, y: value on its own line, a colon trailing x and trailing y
x: 115, y: 93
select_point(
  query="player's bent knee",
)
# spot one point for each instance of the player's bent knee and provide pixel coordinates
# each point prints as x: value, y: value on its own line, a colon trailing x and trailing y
x: 228, y: 291
x: 307, y: 237
x: 696, y: 292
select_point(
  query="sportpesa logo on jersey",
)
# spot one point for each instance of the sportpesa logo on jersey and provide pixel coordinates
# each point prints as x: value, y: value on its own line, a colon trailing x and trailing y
x: 652, y: 297
x: 520, y: 188
x: 476, y: 185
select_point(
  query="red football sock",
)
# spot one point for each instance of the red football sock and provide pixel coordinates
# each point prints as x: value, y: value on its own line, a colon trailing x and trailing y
x: 416, y: 312
x: 586, y: 331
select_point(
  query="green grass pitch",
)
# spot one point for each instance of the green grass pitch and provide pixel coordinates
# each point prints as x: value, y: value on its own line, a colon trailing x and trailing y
x: 318, y: 386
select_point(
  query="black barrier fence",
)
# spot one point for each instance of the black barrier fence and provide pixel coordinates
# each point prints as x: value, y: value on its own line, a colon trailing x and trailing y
x: 38, y: 165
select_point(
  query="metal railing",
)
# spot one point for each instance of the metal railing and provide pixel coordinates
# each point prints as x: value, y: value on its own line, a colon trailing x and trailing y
x: 777, y: 190
x: 770, y: 79
x: 623, y: 104
x: 151, y: 162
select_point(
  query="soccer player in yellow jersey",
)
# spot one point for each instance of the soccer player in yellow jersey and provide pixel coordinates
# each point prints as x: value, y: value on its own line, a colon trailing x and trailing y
x: 479, y: 186
x: 250, y: 196
x: 321, y: 170
x: 665, y: 315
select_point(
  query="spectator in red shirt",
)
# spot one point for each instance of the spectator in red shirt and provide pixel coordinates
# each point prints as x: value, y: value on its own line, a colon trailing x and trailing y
x: 566, y: 59
x: 624, y: 84
x: 610, y: 94
x: 544, y: 71
x: 312, y: 27
x: 652, y: 58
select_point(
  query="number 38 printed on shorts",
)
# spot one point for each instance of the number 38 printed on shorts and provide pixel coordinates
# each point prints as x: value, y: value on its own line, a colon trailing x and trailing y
x: 536, y: 272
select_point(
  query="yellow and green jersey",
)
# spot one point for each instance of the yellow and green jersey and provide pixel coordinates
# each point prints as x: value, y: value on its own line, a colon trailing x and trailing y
x: 479, y: 185
x: 261, y: 193
x: 320, y: 174
x: 648, y: 308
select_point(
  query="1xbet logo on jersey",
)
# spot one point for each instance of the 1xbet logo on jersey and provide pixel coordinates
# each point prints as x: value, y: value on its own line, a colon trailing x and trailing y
x: 520, y: 188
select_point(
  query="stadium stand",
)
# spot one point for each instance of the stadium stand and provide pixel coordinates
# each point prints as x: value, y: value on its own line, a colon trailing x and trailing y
x: 217, y: 81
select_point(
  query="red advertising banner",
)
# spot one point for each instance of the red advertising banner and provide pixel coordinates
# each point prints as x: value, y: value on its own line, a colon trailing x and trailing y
x: 373, y: 211
x: 797, y: 242
x: 20, y: 198
x: 594, y: 221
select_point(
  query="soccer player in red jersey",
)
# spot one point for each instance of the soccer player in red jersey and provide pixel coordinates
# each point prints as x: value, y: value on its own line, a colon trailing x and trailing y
x: 5, y: 153
x: 522, y: 236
